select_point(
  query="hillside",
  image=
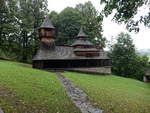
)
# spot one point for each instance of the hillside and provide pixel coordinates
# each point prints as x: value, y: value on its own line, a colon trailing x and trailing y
x: 114, y: 94
x: 26, y: 90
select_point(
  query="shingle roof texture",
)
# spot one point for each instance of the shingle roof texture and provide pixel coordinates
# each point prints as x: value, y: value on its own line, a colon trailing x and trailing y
x: 86, y: 49
x: 64, y: 53
x: 82, y: 42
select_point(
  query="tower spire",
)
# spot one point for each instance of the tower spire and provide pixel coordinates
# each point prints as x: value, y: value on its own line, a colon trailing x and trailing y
x: 47, y: 24
x: 81, y: 34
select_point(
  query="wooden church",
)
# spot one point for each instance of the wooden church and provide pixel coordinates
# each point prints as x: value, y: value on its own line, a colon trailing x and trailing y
x: 81, y: 54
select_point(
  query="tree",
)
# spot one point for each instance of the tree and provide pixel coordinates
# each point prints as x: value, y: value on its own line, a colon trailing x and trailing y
x: 19, y: 20
x: 125, y: 61
x: 67, y: 24
x: 8, y: 27
x: 92, y: 23
x: 69, y: 21
x: 32, y: 13
x: 125, y: 12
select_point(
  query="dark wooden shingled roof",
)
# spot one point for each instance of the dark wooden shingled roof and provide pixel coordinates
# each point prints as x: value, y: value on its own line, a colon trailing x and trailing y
x: 81, y: 34
x: 47, y: 24
x: 64, y: 53
x: 82, y: 42
x: 86, y: 49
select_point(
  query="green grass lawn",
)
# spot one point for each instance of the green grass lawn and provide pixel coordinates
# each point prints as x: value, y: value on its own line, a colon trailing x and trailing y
x: 114, y: 94
x: 26, y: 90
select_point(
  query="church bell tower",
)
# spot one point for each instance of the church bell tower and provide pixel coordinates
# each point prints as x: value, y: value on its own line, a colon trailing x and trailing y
x: 47, y: 34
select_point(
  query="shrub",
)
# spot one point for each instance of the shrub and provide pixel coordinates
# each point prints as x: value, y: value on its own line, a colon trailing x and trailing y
x: 125, y: 60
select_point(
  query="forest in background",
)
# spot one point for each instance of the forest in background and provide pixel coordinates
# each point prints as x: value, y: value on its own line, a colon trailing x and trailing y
x: 20, y: 19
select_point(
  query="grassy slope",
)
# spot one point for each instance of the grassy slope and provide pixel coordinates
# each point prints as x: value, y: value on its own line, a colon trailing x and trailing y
x: 114, y: 94
x: 23, y: 89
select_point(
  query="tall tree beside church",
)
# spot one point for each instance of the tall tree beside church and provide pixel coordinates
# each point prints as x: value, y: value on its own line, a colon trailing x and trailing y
x: 92, y: 23
x: 8, y: 26
x: 31, y: 15
x: 68, y: 24
x: 39, y: 11
x: 19, y: 20
x: 126, y: 10
x: 69, y: 21
x: 125, y: 60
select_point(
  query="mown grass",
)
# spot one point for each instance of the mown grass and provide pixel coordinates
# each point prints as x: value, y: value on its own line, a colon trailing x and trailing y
x: 26, y: 90
x: 114, y: 94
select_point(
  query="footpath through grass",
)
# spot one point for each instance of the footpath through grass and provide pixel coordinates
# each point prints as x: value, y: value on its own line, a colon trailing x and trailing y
x: 114, y: 94
x: 26, y: 90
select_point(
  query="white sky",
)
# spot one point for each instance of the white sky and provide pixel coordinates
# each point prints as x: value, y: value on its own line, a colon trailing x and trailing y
x: 111, y: 29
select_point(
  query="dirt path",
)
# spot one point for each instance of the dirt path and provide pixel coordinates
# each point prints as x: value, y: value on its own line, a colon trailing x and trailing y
x: 78, y: 96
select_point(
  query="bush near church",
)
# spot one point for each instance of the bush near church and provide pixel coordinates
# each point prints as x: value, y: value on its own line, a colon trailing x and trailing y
x: 125, y: 60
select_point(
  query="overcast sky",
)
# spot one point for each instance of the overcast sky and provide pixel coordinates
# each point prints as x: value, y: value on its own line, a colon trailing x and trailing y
x: 111, y: 29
